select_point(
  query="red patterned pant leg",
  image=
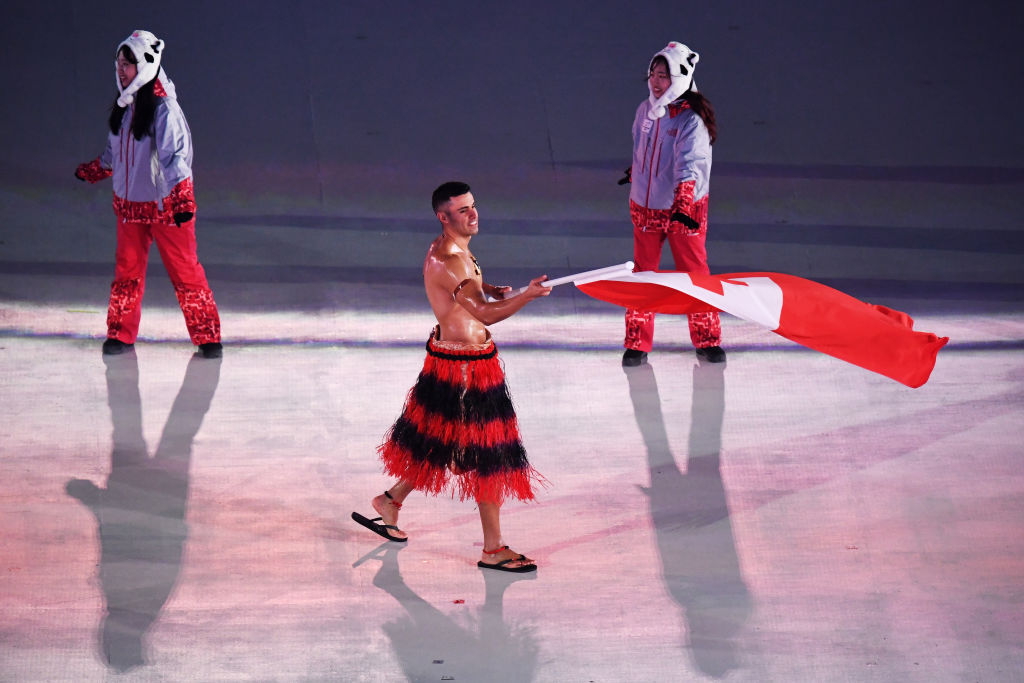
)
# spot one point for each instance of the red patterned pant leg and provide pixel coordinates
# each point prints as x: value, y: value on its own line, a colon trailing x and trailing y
x: 129, y: 285
x: 124, y: 310
x: 200, y: 311
x: 705, y: 329
x: 646, y: 256
x: 177, y: 247
x: 690, y: 255
x: 639, y: 330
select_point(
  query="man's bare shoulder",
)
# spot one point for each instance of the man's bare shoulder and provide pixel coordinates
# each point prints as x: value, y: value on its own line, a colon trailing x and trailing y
x: 444, y: 265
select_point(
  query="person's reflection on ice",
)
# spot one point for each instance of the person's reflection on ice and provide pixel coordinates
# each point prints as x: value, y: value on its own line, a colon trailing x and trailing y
x: 140, y: 512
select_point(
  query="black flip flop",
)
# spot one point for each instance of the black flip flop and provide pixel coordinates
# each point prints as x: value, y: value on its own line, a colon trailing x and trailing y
x: 500, y: 566
x: 379, y: 529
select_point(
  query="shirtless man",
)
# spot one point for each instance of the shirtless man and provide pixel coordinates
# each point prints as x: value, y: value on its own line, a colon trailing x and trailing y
x: 458, y: 429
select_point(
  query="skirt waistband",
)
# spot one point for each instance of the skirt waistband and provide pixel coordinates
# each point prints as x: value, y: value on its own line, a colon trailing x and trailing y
x: 460, y: 350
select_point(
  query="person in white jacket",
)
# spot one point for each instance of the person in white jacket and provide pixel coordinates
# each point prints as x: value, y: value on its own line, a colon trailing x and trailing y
x: 673, y: 131
x: 149, y: 156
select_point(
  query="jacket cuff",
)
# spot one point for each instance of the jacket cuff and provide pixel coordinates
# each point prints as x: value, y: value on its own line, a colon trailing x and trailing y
x: 182, y: 198
x: 93, y: 171
x: 682, y: 206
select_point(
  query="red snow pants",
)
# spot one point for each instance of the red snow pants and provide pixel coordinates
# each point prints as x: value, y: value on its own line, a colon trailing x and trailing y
x: 177, y: 246
x: 691, y: 256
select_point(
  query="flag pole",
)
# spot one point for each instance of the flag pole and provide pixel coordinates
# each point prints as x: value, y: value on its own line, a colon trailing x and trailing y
x: 585, y: 276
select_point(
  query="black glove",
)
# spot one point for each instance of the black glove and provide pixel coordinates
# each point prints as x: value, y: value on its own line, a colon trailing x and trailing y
x: 183, y: 217
x: 628, y: 178
x: 692, y: 226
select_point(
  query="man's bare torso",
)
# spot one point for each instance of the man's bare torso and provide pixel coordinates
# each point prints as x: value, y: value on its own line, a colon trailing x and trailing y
x: 445, y: 267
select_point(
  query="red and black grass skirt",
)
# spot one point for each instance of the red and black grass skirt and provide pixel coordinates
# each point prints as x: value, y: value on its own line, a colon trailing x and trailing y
x: 458, y: 429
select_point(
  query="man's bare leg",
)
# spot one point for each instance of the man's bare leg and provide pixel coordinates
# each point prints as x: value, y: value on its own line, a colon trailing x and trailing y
x: 388, y: 504
x: 490, y: 519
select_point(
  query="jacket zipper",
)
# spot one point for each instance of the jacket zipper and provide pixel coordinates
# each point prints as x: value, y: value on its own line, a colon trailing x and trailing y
x: 128, y: 150
x: 650, y: 166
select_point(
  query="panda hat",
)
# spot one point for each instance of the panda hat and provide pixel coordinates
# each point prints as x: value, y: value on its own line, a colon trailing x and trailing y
x: 681, y: 61
x: 147, y: 49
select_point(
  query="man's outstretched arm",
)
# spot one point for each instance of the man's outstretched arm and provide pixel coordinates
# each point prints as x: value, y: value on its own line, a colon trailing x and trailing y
x: 470, y: 295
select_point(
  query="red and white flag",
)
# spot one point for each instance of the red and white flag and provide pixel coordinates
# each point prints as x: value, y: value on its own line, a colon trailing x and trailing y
x: 809, y: 313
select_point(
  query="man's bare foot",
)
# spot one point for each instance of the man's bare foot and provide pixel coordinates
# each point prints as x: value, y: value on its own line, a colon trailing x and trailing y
x: 506, y: 559
x: 388, y: 509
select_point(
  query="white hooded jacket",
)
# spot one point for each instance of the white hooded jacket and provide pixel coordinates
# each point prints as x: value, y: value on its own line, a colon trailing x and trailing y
x: 667, y: 151
x: 147, y: 170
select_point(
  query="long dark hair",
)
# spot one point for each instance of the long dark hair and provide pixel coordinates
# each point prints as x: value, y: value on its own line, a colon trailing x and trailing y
x: 700, y: 104
x: 145, y: 106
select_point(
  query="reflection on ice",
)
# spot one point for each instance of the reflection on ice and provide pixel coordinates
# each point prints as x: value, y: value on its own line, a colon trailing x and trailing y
x: 141, y: 510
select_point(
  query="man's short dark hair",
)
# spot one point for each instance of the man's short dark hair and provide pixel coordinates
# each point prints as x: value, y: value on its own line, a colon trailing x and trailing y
x: 445, y: 192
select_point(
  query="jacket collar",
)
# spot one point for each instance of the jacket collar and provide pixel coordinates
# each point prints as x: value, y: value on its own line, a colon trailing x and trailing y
x: 677, y: 108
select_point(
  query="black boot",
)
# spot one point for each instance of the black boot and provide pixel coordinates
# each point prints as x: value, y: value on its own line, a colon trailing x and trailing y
x: 211, y: 350
x: 633, y: 357
x: 712, y: 354
x: 113, y: 347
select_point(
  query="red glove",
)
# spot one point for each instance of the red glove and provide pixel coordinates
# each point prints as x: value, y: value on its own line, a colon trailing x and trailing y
x: 92, y: 172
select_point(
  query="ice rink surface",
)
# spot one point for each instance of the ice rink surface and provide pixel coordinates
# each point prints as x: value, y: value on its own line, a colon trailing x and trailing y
x: 783, y: 517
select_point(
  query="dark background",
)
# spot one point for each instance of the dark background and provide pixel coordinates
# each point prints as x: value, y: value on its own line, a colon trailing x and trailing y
x: 874, y: 146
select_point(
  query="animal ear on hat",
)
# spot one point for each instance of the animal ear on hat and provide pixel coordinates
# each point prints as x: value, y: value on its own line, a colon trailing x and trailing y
x: 687, y: 63
x: 151, y: 52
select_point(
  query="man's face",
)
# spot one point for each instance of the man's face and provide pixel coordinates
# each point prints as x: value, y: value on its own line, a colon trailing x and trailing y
x: 460, y: 217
